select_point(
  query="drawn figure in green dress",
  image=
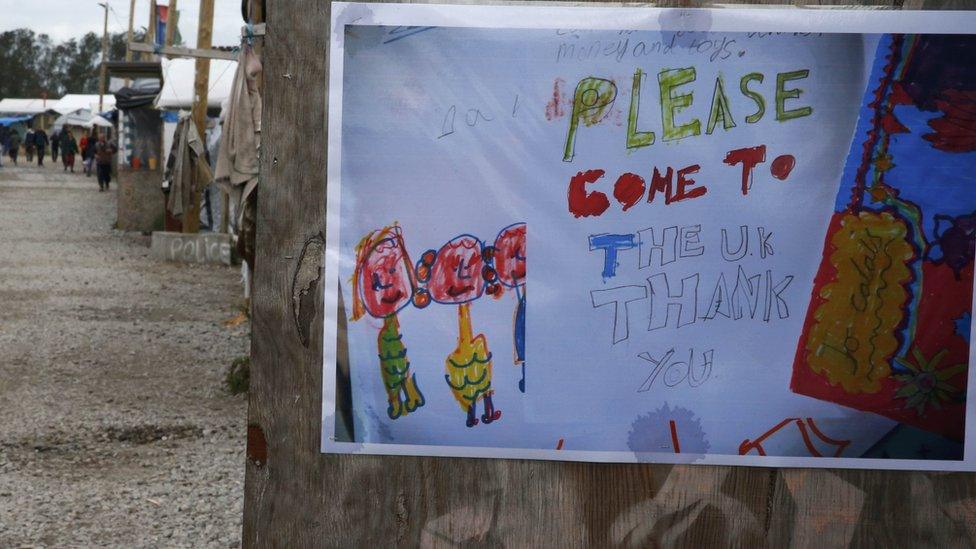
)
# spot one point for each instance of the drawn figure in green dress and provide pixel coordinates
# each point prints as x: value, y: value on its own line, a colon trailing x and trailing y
x: 383, y: 284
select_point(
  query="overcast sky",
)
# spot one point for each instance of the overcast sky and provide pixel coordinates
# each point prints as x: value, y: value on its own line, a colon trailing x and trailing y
x: 64, y: 19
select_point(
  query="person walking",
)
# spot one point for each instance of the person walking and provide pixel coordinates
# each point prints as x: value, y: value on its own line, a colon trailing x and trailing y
x: 3, y: 143
x: 55, y: 145
x: 29, y: 145
x: 88, y: 152
x: 69, y: 148
x: 13, y: 146
x: 104, y: 154
x: 40, y: 142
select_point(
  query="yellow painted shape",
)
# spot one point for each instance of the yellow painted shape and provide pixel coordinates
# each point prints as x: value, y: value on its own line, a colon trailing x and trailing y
x: 854, y: 334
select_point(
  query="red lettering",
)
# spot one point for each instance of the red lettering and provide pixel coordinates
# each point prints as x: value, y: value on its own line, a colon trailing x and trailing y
x: 629, y: 189
x: 581, y: 203
x: 782, y: 166
x: 661, y: 184
x: 685, y: 182
x: 749, y: 157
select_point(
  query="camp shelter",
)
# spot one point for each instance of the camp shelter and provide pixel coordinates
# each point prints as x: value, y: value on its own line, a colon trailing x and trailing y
x: 177, y: 92
x: 81, y: 118
x: 39, y: 111
x: 135, y: 86
x: 73, y: 102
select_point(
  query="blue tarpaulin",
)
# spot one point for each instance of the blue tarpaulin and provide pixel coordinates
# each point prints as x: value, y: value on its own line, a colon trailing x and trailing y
x: 7, y: 121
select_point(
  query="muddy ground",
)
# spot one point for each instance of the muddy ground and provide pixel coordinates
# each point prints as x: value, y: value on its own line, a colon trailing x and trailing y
x: 115, y: 427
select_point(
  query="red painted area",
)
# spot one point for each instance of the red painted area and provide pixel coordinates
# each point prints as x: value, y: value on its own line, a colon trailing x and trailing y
x: 629, y: 189
x: 661, y: 184
x: 782, y: 166
x: 384, y: 280
x: 581, y: 203
x: 955, y: 130
x: 803, y: 427
x: 456, y: 273
x: 674, y: 437
x: 748, y: 157
x: 684, y: 182
x: 509, y: 256
x: 554, y: 108
x: 943, y: 300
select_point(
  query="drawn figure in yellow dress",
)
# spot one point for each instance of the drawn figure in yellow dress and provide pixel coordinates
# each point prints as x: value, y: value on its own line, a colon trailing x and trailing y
x: 454, y: 275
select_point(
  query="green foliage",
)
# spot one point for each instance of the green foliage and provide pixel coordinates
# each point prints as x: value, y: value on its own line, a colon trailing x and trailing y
x: 31, y: 64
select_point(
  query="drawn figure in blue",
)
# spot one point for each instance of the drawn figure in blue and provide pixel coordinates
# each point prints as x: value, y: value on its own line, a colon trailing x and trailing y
x: 508, y: 260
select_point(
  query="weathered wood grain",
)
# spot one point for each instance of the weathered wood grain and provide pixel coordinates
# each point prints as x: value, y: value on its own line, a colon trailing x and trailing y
x: 297, y: 497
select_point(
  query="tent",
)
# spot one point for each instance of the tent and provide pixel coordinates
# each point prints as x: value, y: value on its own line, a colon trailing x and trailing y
x: 11, y: 120
x: 73, y: 102
x: 82, y: 118
x: 178, y: 78
x: 17, y: 107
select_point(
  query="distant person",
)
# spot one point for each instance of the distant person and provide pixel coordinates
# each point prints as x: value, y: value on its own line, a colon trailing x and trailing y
x: 104, y: 154
x: 87, y: 152
x: 40, y: 141
x: 29, y: 145
x: 69, y: 148
x: 3, y: 143
x: 13, y: 146
x: 55, y: 145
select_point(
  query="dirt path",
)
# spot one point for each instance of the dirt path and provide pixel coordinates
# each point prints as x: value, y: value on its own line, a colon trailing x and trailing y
x: 115, y: 428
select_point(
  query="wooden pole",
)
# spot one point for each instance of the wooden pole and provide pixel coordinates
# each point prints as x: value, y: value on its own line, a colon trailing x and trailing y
x: 132, y: 16
x: 150, y: 37
x: 191, y: 216
x: 170, y: 22
x: 101, y: 84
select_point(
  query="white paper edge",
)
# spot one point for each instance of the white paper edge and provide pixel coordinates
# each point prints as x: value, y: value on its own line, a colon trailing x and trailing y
x: 598, y: 18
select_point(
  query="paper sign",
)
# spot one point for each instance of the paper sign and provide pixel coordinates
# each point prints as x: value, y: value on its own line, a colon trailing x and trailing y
x: 665, y: 235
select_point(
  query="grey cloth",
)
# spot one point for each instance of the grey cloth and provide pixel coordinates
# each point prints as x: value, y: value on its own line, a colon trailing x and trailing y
x: 187, y: 171
x: 237, y: 161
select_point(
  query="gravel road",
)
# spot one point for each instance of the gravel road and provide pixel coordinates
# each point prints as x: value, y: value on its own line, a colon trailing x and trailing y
x: 115, y: 429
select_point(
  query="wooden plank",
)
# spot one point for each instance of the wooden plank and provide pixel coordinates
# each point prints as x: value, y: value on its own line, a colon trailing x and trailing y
x: 176, y: 51
x: 297, y: 497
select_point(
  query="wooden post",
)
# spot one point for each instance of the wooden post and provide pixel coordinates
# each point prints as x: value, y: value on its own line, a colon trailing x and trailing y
x: 297, y: 497
x: 150, y: 37
x: 171, y: 22
x: 132, y: 15
x: 103, y: 69
x: 191, y: 214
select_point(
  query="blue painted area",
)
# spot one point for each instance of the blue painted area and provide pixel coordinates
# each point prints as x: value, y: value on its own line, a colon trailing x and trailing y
x: 963, y: 324
x: 520, y: 337
x: 610, y: 244
x: 937, y: 182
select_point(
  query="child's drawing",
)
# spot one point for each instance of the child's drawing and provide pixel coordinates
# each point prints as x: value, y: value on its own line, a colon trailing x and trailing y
x: 454, y: 275
x: 383, y: 284
x: 508, y: 258
x: 887, y: 328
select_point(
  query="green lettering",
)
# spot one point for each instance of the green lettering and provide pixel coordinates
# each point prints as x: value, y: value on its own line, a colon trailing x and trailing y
x: 636, y: 139
x: 783, y: 94
x: 720, y: 108
x: 671, y: 104
x: 591, y: 103
x: 760, y: 102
